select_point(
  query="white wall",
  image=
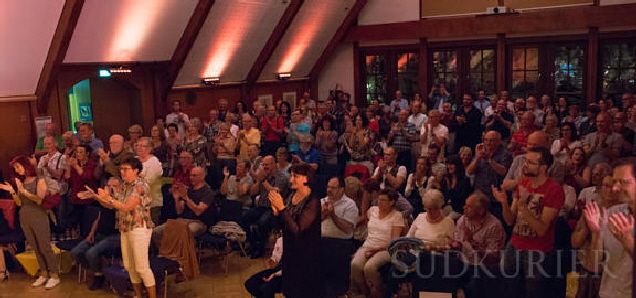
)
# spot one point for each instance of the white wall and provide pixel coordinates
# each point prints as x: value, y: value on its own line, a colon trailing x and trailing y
x: 389, y: 11
x: 339, y: 69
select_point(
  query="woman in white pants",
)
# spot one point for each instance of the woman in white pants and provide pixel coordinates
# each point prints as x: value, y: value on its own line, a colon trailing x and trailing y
x: 132, y: 202
x: 385, y: 224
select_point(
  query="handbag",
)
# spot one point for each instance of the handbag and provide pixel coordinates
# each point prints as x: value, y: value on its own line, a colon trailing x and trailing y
x: 51, y: 201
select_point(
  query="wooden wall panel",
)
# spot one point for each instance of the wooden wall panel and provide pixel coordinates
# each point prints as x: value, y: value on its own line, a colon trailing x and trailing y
x: 16, y: 129
x: 455, y: 7
x: 519, y: 4
x: 207, y: 98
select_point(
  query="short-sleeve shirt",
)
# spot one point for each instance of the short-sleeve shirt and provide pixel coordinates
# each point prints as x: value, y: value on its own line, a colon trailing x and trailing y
x: 428, y: 231
x: 440, y: 130
x: 549, y: 194
x: 619, y: 262
x: 203, y: 194
x: 253, y: 136
x: 344, y: 208
x: 379, y: 230
x: 139, y: 217
x: 301, y: 128
x: 232, y: 191
x: 311, y: 156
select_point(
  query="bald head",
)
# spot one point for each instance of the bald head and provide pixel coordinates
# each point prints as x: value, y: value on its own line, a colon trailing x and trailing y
x: 269, y: 165
x: 116, y: 143
x: 197, y: 176
x: 538, y: 139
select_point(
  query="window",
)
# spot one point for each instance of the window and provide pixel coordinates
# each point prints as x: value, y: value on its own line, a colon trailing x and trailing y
x: 482, y: 71
x: 445, y: 70
x: 389, y: 70
x: 525, y: 71
x: 376, y: 83
x: 617, y: 66
x: 407, y: 74
x: 568, y: 73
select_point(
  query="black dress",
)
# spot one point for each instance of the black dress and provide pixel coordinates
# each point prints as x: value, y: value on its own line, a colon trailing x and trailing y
x: 301, y: 240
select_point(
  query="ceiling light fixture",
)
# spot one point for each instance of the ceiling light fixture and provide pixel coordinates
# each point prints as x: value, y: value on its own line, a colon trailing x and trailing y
x: 284, y: 75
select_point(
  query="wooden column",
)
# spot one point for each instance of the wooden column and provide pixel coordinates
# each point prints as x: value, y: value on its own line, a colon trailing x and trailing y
x: 591, y: 81
x: 422, y: 83
x: 501, y: 62
x: 57, y: 51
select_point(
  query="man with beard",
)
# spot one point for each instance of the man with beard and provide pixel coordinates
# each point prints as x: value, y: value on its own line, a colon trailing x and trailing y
x: 466, y: 124
x: 532, y: 214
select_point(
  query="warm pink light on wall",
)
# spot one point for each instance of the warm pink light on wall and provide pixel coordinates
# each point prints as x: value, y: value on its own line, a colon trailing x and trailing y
x: 229, y: 38
x: 304, y: 36
x: 135, y: 20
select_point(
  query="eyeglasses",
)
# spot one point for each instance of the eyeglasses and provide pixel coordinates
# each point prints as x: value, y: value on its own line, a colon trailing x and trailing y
x: 123, y: 169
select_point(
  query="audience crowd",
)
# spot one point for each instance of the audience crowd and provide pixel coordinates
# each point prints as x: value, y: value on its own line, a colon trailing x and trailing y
x: 512, y: 189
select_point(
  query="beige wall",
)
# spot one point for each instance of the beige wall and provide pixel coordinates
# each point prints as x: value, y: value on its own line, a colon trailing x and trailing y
x: 338, y: 70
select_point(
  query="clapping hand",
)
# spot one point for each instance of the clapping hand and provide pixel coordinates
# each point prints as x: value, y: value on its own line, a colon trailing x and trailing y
x: 499, y: 195
x: 20, y: 186
x: 277, y: 200
x: 226, y: 172
x: 8, y: 187
x: 621, y: 226
x: 89, y: 193
x: 592, y: 216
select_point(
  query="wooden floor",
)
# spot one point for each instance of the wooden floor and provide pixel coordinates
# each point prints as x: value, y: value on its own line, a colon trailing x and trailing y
x: 213, y: 282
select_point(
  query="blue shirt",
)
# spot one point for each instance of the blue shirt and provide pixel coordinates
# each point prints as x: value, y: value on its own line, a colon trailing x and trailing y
x: 482, y: 106
x: 310, y: 156
x: 397, y: 106
x: 303, y: 128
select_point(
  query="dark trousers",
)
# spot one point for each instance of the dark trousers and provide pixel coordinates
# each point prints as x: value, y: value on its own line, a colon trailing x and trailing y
x: 261, y: 218
x: 528, y: 273
x: 259, y: 288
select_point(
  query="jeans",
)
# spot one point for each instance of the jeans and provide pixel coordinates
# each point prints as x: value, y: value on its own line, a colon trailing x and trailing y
x: 89, y: 255
x: 262, y: 218
x: 529, y: 270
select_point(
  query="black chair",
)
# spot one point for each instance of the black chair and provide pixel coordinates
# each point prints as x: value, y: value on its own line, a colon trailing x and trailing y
x: 228, y: 211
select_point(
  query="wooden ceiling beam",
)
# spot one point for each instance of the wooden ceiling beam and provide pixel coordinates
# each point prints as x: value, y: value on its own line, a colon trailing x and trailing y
x: 268, y: 49
x: 57, y: 52
x: 544, y: 20
x: 186, y: 42
x: 349, y: 21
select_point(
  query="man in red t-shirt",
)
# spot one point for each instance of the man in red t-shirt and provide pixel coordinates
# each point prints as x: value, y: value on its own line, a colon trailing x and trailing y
x: 519, y: 141
x: 533, y: 214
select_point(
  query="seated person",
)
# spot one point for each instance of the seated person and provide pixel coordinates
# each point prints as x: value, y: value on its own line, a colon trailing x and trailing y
x: 237, y: 187
x: 372, y: 191
x: 339, y: 212
x: 102, y: 239
x: 267, y: 178
x: 307, y: 152
x: 385, y: 224
x: 266, y: 283
x: 432, y: 226
x: 190, y: 203
x: 480, y: 237
x: 388, y: 172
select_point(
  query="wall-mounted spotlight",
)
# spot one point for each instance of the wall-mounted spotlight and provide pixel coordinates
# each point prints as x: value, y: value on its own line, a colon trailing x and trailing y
x: 211, y: 80
x: 284, y: 75
x: 120, y: 69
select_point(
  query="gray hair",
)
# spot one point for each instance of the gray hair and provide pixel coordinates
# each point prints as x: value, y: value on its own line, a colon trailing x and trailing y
x: 482, y: 199
x: 433, y: 197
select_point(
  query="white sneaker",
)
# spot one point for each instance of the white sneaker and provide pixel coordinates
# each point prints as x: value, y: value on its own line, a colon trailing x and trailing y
x: 40, y: 281
x: 52, y: 283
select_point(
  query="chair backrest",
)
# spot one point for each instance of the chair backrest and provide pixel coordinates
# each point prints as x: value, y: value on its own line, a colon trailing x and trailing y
x: 230, y: 210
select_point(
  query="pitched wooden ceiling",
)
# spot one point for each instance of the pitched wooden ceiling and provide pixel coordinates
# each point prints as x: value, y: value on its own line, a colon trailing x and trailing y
x: 231, y: 39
